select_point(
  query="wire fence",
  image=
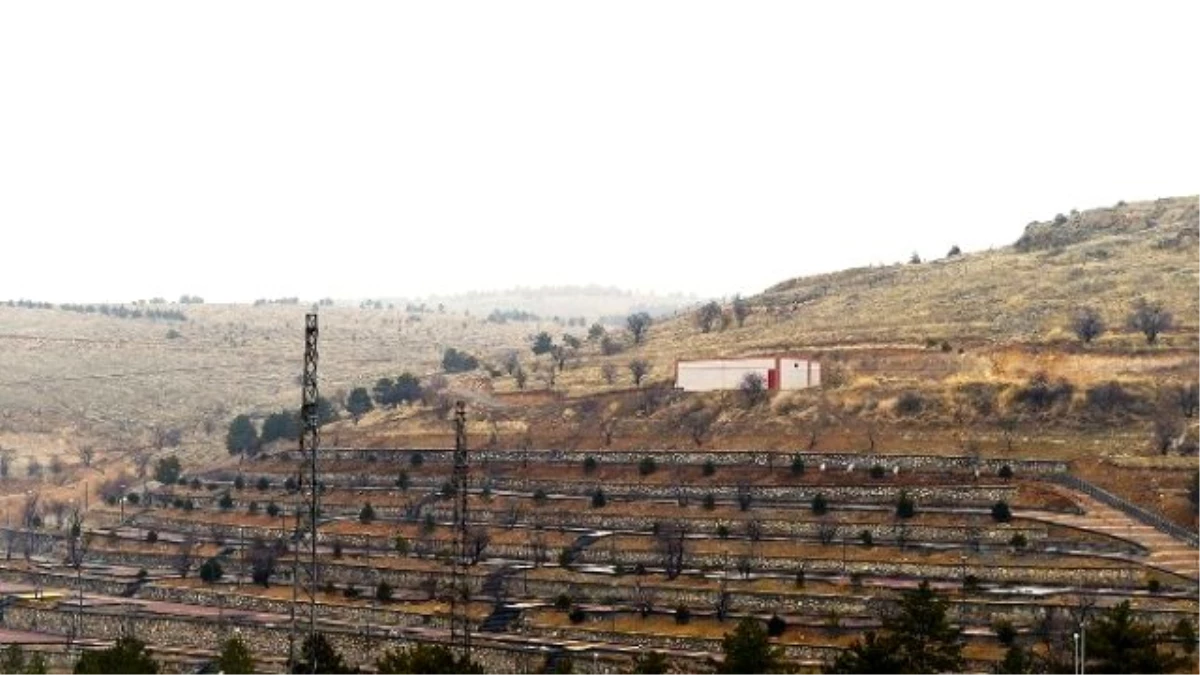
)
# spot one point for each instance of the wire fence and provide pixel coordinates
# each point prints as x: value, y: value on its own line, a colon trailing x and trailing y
x: 1138, y: 513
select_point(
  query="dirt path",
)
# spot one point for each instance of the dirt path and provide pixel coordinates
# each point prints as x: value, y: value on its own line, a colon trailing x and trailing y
x: 1166, y: 552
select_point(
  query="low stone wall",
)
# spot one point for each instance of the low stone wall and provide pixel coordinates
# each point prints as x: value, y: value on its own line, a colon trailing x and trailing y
x: 179, y: 632
x: 837, y: 460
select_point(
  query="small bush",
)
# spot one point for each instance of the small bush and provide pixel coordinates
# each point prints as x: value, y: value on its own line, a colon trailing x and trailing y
x: 272, y: 509
x: 416, y: 459
x: 151, y: 536
x: 210, y: 571
x: 337, y: 548
x: 540, y: 497
x: 776, y: 626
x: 710, y: 467
x: 263, y: 484
x: 1154, y: 585
x: 1039, y: 395
x: 384, y: 591
x: 905, y: 506
x: 710, y: 502
x: 797, y: 465
x: 647, y: 466
x: 819, y: 505
x: 877, y: 471
x: 909, y: 403
x: 1005, y: 472
x: 562, y: 602
x: 598, y: 499
x: 351, y: 591
x: 866, y: 538
x: 1018, y: 541
x: 683, y: 615
x: 367, y: 514
x: 589, y: 464
x: 252, y: 508
x: 1111, y: 398
x: 577, y: 615
x: 1005, y: 631
x: 1000, y: 512
x: 800, y: 578
x: 239, y: 483
x: 723, y: 531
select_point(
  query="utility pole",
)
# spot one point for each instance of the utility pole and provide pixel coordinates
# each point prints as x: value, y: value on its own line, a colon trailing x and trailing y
x: 305, y: 582
x: 460, y: 627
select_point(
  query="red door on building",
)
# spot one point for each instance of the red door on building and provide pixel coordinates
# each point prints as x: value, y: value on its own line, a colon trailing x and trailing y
x: 772, y: 378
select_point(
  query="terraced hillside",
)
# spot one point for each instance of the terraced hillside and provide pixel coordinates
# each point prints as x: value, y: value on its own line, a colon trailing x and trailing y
x: 679, y: 547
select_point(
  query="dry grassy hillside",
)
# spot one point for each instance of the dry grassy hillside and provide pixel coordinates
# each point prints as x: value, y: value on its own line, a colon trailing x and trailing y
x: 933, y: 356
x: 71, y: 378
x: 969, y: 354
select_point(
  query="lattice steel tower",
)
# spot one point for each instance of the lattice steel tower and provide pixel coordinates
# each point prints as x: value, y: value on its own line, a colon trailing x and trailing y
x: 460, y: 592
x: 304, y: 563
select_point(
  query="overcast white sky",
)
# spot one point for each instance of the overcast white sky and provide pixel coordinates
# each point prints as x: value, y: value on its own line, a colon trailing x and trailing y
x: 255, y: 149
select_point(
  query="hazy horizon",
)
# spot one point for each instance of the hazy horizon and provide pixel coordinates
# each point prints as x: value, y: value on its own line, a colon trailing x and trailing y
x: 242, y: 151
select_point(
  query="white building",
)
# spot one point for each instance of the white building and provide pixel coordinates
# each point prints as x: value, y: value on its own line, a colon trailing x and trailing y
x: 777, y: 372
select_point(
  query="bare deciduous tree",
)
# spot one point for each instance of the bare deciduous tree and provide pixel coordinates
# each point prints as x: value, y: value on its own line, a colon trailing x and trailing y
x: 1087, y: 324
x: 753, y: 388
x: 57, y: 508
x: 638, y: 368
x: 707, y: 316
x: 1188, y: 398
x: 31, y: 510
x: 1166, y: 430
x: 698, y: 423
x: 826, y: 532
x: 477, y: 542
x: 643, y: 598
x: 670, y: 540
x: 607, y: 428
x: 638, y: 324
x: 87, y: 453
x: 141, y: 460
x: 609, y: 372
x: 741, y: 310
x: 1150, y: 319
x: 184, y: 554
x: 33, y: 467
x: 78, y: 542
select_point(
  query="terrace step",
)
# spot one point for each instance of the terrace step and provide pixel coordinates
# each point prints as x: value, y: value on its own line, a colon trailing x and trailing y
x: 493, y: 583
x: 500, y: 619
x: 1164, y: 551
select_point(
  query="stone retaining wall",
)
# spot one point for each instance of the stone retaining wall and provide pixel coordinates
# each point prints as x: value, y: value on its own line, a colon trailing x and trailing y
x: 906, y: 462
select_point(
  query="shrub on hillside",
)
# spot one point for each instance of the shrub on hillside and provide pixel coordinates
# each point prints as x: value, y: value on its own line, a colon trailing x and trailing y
x: 1087, y: 324
x: 1110, y: 398
x: 210, y: 571
x: 909, y: 403
x: 647, y: 466
x: 454, y: 361
x: 1040, y: 395
x: 1001, y: 513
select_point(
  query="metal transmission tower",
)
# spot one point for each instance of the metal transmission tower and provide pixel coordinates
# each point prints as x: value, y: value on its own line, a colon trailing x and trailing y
x: 460, y: 594
x: 304, y: 574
